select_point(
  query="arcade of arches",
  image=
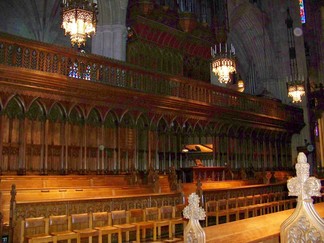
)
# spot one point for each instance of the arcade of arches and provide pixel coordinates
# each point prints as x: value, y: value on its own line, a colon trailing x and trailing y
x: 48, y: 137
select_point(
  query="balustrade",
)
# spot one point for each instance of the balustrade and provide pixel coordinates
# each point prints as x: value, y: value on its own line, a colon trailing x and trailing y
x: 19, y: 52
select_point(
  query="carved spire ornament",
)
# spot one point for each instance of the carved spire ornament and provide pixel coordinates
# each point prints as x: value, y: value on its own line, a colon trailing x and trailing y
x: 194, y: 233
x: 304, y: 225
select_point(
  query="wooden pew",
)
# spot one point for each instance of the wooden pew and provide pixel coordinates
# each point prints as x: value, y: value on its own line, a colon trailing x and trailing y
x: 43, y: 188
x: 39, y: 182
x: 22, y: 209
x: 55, y: 194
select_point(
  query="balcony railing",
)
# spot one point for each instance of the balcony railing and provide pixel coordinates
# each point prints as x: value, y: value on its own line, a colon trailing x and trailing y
x: 19, y: 52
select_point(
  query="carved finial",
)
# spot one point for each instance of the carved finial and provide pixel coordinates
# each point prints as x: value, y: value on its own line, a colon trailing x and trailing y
x: 303, y: 186
x: 193, y: 232
x: 193, y: 211
x: 304, y: 225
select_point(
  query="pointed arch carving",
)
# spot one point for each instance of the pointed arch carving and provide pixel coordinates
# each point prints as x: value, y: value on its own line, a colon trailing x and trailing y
x: 57, y: 112
x: 13, y: 140
x: 34, y: 134
x: 14, y: 107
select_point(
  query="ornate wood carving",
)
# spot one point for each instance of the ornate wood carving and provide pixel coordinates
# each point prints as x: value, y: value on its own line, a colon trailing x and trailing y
x: 75, y: 102
x: 60, y: 207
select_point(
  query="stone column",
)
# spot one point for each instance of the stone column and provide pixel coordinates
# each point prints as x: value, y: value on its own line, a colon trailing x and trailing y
x: 110, y: 41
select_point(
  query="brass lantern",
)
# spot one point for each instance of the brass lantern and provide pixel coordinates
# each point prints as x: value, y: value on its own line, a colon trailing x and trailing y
x: 79, y: 20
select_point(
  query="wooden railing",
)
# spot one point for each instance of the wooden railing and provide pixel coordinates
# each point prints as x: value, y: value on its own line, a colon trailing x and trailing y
x: 32, y: 55
x: 242, y: 191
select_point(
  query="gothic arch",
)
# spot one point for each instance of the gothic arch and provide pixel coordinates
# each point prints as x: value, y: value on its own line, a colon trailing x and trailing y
x: 163, y: 125
x: 14, y: 107
x: 36, y: 110
x: 112, y: 12
x: 76, y: 115
x: 249, y: 35
x: 94, y: 117
x: 57, y: 112
x: 142, y: 121
x: 110, y: 119
x: 127, y: 120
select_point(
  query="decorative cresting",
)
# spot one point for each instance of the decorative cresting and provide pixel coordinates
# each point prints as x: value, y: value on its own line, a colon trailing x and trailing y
x: 79, y: 19
x: 304, y: 225
x: 194, y: 233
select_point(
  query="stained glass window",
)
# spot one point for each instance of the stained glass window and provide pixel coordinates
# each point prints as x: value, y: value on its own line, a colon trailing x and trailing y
x: 302, y: 11
x: 74, y: 72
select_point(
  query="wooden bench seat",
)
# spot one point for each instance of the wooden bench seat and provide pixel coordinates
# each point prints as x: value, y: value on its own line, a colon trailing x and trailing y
x: 70, y: 181
x: 80, y: 206
x: 56, y: 194
x: 69, y: 187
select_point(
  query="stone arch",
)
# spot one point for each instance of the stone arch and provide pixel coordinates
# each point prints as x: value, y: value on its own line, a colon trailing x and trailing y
x: 249, y: 35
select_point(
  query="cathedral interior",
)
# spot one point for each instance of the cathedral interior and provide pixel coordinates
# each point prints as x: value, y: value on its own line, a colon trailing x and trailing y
x: 140, y: 102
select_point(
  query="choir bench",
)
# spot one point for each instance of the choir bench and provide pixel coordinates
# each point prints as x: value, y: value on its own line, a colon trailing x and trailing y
x: 42, y: 196
x: 22, y: 209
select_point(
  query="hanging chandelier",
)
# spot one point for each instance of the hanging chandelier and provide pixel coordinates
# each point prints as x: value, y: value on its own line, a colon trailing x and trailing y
x: 223, y: 62
x: 296, y: 89
x: 79, y: 20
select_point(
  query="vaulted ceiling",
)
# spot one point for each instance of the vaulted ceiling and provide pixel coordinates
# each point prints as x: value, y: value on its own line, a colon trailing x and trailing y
x: 41, y: 19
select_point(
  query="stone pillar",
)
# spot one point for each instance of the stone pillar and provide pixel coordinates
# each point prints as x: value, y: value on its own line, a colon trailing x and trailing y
x: 110, y: 41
